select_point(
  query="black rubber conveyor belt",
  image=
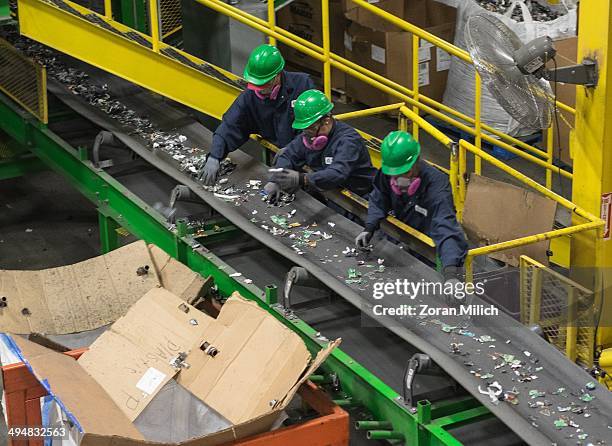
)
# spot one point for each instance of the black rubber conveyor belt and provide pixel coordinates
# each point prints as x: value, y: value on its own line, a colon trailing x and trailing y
x: 432, y: 335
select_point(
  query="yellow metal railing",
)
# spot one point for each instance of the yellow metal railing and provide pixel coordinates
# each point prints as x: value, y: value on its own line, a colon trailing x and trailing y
x: 412, y: 97
x: 561, y: 307
x: 23, y: 80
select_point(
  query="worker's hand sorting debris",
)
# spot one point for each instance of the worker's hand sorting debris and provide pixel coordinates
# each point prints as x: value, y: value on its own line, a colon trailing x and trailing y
x: 362, y: 241
x: 273, y: 191
x: 289, y: 180
x: 208, y: 174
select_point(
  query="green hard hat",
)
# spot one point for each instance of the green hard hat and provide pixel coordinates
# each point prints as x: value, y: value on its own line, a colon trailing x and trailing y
x: 399, y: 153
x: 264, y: 63
x: 309, y: 107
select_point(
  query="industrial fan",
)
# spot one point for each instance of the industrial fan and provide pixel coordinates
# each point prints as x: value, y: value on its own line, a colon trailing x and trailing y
x: 516, y: 74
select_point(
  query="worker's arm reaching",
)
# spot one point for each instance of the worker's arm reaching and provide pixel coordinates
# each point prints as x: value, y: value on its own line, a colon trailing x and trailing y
x: 235, y: 128
x: 445, y: 231
x: 379, y: 205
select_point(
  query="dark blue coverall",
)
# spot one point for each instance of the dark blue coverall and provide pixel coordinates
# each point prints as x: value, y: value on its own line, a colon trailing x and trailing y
x: 271, y: 119
x: 430, y: 210
x: 343, y: 163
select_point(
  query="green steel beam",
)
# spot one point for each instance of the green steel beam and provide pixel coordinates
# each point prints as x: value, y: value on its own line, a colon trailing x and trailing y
x: 109, y: 239
x: 126, y: 209
x: 462, y: 417
x: 16, y: 167
x: 5, y: 11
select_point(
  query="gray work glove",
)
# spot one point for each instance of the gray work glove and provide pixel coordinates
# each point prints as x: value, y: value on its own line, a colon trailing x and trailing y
x: 273, y: 191
x: 453, y: 276
x: 288, y: 180
x: 362, y: 241
x: 208, y: 174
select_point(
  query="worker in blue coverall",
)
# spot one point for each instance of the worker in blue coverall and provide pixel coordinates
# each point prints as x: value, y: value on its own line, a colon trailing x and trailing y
x: 335, y: 153
x: 418, y: 195
x: 263, y: 108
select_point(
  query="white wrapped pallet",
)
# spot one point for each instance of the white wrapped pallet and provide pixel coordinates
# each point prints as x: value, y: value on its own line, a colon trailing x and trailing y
x: 460, y: 86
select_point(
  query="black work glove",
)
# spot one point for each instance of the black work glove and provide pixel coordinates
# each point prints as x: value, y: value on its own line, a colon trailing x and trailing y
x: 273, y: 191
x: 208, y: 174
x: 287, y: 179
x: 362, y: 241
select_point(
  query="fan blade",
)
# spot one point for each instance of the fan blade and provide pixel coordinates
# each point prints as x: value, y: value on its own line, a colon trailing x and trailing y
x: 492, y: 46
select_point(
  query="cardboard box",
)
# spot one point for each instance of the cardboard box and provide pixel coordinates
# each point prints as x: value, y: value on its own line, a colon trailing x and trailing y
x: 303, y: 18
x: 515, y: 212
x: 92, y: 293
x: 422, y: 13
x: 567, y: 53
x: 258, y: 367
x: 389, y: 53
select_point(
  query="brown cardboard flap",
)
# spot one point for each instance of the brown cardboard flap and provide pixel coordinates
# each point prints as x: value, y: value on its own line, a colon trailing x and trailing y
x: 258, y: 363
x: 322, y: 355
x: 176, y: 277
x: 78, y: 297
x: 93, y: 409
x: 513, y: 213
x: 131, y: 361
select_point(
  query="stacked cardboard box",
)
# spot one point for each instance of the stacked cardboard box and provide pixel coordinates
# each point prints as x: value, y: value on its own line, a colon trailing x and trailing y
x: 376, y: 44
x: 303, y: 18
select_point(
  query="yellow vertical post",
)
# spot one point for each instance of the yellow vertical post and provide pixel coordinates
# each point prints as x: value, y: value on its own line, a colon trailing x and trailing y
x: 271, y: 21
x: 549, y: 154
x: 452, y: 175
x: 536, y: 295
x: 154, y: 17
x: 403, y: 122
x: 571, y: 332
x: 469, y: 269
x: 415, y: 82
x: 461, y: 174
x: 524, y: 300
x: 326, y: 63
x: 591, y: 254
x: 108, y: 9
x: 478, y: 122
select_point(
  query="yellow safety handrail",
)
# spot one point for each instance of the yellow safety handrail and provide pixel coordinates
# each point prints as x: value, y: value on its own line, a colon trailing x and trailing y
x: 541, y: 158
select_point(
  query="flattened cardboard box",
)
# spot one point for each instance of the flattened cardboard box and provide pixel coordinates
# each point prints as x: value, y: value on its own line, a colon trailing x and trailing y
x: 77, y: 297
x: 92, y: 293
x: 259, y: 367
x: 515, y: 212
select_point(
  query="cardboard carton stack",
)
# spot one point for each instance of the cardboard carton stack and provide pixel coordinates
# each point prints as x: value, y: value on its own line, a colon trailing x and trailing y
x: 374, y: 43
x: 303, y: 18
x: 241, y: 369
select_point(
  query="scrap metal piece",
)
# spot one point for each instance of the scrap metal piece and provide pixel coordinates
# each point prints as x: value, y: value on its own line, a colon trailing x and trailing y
x: 142, y: 270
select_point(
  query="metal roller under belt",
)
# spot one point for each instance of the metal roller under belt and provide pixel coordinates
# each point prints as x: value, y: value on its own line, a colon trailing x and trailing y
x: 458, y: 348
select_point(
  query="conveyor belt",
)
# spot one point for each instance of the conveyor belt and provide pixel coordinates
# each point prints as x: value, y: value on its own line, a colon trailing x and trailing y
x: 510, y: 337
